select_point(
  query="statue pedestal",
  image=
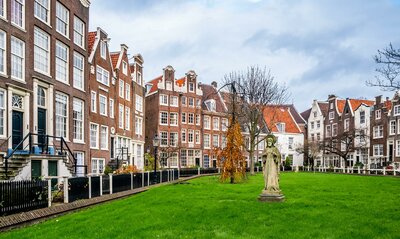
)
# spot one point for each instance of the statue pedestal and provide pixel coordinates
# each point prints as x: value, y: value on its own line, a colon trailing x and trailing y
x: 271, y: 197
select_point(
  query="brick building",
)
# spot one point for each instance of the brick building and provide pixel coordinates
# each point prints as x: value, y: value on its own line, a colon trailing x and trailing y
x: 43, y: 55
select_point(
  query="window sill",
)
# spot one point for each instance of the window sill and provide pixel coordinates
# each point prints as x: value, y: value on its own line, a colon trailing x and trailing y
x: 19, y: 27
x: 3, y: 18
x: 64, y: 82
x: 18, y: 80
x: 78, y: 142
x: 41, y: 20
x: 3, y: 74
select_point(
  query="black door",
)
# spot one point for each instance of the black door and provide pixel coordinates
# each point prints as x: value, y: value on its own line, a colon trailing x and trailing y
x: 36, y: 169
x: 53, y: 171
x: 17, y: 129
x: 390, y: 152
x: 112, y: 147
x: 41, y: 127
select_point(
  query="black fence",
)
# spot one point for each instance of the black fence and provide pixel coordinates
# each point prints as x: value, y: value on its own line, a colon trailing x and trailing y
x: 188, y: 172
x: 121, y: 182
x: 78, y: 189
x: 20, y: 196
x: 95, y: 186
x: 208, y: 170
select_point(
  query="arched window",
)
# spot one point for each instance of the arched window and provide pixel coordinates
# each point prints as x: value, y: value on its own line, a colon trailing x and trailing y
x: 41, y: 97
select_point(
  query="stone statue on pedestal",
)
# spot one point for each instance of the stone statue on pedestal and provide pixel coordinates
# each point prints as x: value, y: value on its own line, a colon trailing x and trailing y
x: 271, y: 159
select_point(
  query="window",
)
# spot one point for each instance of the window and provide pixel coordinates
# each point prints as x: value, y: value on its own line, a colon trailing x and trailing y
x: 173, y: 119
x: 93, y: 101
x: 163, y: 100
x: 398, y: 129
x: 183, y: 135
x: 2, y: 52
x: 173, y: 139
x: 191, y: 118
x: 190, y: 158
x: 168, y: 85
x: 3, y: 8
x: 78, y: 70
x: 61, y: 115
x: 80, y: 172
x: 215, y: 140
x: 318, y: 136
x: 124, y: 68
x: 127, y: 118
x: 392, y: 130
x: 183, y: 118
x: 331, y: 115
x: 318, y: 124
x: 378, y: 150
x: 79, y: 32
x: 139, y: 103
x: 315, y: 114
x: 121, y: 116
x: 94, y: 136
x: 128, y: 92
x: 173, y: 160
x: 362, y: 117
x: 290, y: 146
x: 2, y: 112
x: 224, y: 124
x: 223, y: 143
x: 18, y: 12
x: 312, y: 137
x: 331, y: 105
x: 174, y: 101
x: 164, y: 138
x: 198, y: 119
x: 102, y: 75
x: 111, y: 108
x: 396, y: 110
x: 139, y: 78
x: 281, y: 127
x: 191, y: 87
x: 61, y: 62
x: 97, y: 166
x: 138, y: 126
x: 41, y: 97
x: 103, y: 137
x: 397, y: 148
x: 191, y: 102
x: 183, y: 100
x: 197, y: 137
x: 312, y: 125
x: 62, y: 19
x: 378, y: 131
x: 183, y: 158
x: 206, y: 122
x: 328, y: 131
x: 103, y: 49
x: 190, y: 136
x: 78, y: 109
x: 198, y: 103
x: 346, y: 125
x: 377, y: 114
x: 41, y: 51
x: 215, y: 123
x: 17, y: 58
x: 102, y: 105
x: 121, y: 88
x: 163, y: 118
x: 211, y: 106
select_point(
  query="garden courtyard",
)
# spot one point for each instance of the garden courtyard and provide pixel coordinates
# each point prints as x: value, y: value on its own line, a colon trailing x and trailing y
x: 316, y: 206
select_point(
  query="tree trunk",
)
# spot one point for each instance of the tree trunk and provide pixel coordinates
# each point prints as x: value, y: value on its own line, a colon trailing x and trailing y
x: 251, y: 159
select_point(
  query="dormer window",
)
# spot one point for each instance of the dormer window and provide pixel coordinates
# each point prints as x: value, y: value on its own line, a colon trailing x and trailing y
x: 191, y: 87
x: 211, y: 106
x: 377, y: 114
x: 168, y: 85
x: 124, y: 68
x: 331, y: 105
x: 280, y: 127
x: 396, y: 110
x: 103, y: 49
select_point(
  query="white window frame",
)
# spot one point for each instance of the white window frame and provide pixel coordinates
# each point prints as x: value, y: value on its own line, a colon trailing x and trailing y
x: 97, y: 162
x: 173, y: 101
x: 61, y: 7
x: 127, y: 92
x: 346, y: 125
x: 207, y: 122
x: 3, y: 14
x: 206, y: 141
x: 139, y: 103
x: 163, y: 140
x: 197, y: 139
x: 13, y: 17
x: 41, y: 49
x: 173, y: 119
x: 105, y: 106
x: 397, y: 146
x: 3, y: 112
x: 173, y: 139
x: 92, y: 145
x: 121, y: 88
x: 163, y: 113
x: 58, y: 128
x: 112, y: 108
x: 103, y: 49
x: 102, y: 75
x: 378, y: 114
x: 163, y: 99
x: 124, y: 68
x: 216, y: 121
x: 213, y: 140
x: 103, y: 146
x: 396, y: 110
x: 224, y: 124
x: 60, y: 61
x: 15, y: 40
x: 93, y: 101
x: 392, y: 128
x: 138, y: 125
x: 39, y: 5
x: 184, y: 118
x: 127, y: 118
x: 198, y: 119
x: 191, y: 118
x: 77, y: 120
x: 376, y: 132
x: 79, y: 36
x: 3, y: 52
x: 121, y: 113
x: 183, y: 135
x: 331, y: 115
x: 78, y: 71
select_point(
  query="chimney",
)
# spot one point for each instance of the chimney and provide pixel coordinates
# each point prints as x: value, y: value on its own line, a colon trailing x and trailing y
x: 169, y: 73
x: 124, y: 47
x: 378, y: 99
x: 214, y: 84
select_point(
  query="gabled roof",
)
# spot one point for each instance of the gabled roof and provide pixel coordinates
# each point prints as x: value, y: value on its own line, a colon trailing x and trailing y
x: 154, y: 84
x: 91, y: 40
x: 210, y: 93
x: 279, y: 114
x: 306, y: 114
x: 354, y: 103
x: 181, y: 82
x: 297, y: 117
x: 323, y: 106
x: 340, y: 105
x: 114, y: 58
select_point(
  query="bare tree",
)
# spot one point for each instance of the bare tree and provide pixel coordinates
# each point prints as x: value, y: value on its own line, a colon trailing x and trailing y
x: 346, y: 143
x: 256, y: 88
x: 311, y: 149
x: 388, y: 61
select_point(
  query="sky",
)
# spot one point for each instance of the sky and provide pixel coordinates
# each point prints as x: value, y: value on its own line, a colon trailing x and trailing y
x: 315, y: 48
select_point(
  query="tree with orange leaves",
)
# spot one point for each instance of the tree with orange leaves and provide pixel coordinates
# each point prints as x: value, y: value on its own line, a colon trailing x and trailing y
x: 230, y: 158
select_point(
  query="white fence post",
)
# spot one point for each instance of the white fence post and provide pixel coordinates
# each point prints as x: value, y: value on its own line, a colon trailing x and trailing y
x: 49, y: 192
x: 131, y: 181
x: 111, y: 178
x: 90, y: 186
x: 101, y: 185
x: 148, y: 178
x: 384, y: 170
x: 66, y: 186
x: 142, y: 179
x: 160, y: 176
x: 179, y: 173
x: 198, y: 171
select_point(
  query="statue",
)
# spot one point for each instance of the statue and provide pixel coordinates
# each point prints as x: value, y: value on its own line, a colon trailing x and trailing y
x: 271, y: 158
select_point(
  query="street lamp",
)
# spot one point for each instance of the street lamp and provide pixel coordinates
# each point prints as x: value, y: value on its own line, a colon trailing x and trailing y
x: 156, y: 143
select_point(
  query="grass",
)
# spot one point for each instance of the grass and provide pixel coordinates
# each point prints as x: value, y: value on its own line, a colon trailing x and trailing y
x: 316, y: 206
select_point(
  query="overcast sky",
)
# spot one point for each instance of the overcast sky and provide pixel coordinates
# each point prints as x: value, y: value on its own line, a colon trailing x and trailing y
x: 315, y: 47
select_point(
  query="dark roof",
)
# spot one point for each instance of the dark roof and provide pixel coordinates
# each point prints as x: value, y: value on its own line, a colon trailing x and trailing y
x: 306, y: 114
x: 209, y: 92
x: 324, y: 107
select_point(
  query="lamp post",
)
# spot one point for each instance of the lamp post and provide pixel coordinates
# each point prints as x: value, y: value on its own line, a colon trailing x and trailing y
x: 156, y: 143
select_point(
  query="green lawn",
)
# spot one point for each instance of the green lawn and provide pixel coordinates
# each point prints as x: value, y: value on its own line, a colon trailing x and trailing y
x: 316, y: 206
